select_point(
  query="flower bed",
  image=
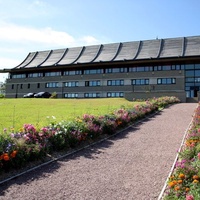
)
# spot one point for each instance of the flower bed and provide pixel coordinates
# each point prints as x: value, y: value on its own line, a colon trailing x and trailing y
x: 17, y: 149
x: 184, y: 182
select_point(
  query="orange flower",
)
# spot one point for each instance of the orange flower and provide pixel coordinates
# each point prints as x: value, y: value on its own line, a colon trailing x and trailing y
x: 182, y: 176
x: 172, y: 183
x: 180, y: 181
x: 195, y: 177
x: 177, y: 188
x: 119, y: 122
x: 195, y: 181
x: 6, y: 157
x: 13, y: 154
x: 187, y: 189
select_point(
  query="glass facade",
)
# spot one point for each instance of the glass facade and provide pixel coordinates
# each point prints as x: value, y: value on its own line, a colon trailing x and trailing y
x: 192, y: 80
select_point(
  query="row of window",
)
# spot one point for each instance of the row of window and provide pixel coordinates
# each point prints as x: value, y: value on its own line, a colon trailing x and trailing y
x: 163, y: 81
x: 111, y: 70
x: 94, y: 95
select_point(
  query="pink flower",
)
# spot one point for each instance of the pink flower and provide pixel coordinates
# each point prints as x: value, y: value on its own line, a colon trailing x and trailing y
x: 189, y: 197
x: 198, y: 156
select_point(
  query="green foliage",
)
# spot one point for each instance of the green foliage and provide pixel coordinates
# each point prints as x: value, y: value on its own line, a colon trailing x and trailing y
x: 2, y: 96
x: 53, y: 95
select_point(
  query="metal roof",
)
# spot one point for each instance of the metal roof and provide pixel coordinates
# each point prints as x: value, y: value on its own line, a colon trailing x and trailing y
x: 126, y: 51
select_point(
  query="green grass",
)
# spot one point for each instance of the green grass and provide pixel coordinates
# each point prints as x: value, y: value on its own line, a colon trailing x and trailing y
x: 16, y: 112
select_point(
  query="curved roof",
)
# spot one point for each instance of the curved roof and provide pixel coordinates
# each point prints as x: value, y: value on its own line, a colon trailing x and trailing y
x: 136, y: 50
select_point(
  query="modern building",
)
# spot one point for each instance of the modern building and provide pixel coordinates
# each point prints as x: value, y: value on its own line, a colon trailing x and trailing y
x: 133, y: 70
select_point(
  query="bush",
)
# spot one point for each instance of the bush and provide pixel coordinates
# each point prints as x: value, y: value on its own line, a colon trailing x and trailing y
x: 2, y: 96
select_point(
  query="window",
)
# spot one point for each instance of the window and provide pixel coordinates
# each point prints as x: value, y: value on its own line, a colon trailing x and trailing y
x: 19, y: 76
x: 115, y: 82
x: 28, y: 86
x: 115, y: 94
x: 21, y: 86
x: 71, y: 95
x: 132, y: 69
x: 33, y: 75
x: 53, y: 74
x: 189, y: 66
x: 141, y: 69
x: 76, y: 72
x: 52, y: 85
x: 92, y: 83
x: 12, y: 86
x: 166, y: 67
x: 140, y: 82
x: 116, y: 70
x: 92, y: 95
x: 71, y: 84
x: 93, y: 71
x: 166, y: 81
x: 38, y: 85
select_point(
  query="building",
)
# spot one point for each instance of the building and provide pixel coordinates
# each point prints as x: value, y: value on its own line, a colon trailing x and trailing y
x: 138, y: 69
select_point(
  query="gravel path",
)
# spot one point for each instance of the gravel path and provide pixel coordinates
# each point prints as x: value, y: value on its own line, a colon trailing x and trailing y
x: 132, y: 165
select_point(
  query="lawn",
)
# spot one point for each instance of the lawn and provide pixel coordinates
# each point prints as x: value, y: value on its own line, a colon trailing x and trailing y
x: 16, y: 112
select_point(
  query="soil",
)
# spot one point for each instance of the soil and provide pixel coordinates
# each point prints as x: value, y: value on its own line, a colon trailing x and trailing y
x: 133, y: 164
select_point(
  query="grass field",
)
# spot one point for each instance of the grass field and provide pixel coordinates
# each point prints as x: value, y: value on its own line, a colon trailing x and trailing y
x: 16, y: 112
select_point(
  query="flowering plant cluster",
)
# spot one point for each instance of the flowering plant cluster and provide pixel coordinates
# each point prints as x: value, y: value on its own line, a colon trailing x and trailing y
x: 184, y: 183
x: 17, y: 149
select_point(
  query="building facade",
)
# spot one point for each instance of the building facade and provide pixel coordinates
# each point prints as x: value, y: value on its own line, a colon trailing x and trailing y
x: 133, y: 70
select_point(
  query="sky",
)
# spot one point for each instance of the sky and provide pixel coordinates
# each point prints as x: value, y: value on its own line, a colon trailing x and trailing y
x: 37, y: 25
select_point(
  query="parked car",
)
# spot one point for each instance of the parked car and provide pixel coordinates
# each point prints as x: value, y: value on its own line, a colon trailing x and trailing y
x: 29, y: 95
x: 42, y: 95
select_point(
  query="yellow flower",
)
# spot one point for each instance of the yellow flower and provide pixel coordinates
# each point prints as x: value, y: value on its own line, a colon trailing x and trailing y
x: 172, y: 183
x: 181, y: 176
x: 195, y: 181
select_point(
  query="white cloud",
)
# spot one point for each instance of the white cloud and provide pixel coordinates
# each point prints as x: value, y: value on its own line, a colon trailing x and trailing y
x: 88, y: 40
x: 9, y: 62
x: 21, y: 34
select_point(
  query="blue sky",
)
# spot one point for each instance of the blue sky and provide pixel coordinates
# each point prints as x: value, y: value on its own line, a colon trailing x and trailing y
x: 35, y: 25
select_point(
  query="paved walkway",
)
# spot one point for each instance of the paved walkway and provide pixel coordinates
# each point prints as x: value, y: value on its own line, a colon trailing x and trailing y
x: 132, y: 165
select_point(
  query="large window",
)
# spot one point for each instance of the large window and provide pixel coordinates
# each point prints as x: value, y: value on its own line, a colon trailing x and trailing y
x: 19, y: 76
x: 93, y: 71
x: 92, y: 95
x: 92, y: 83
x: 140, y: 82
x: 70, y: 95
x: 71, y: 84
x: 115, y: 82
x: 166, y: 81
x: 53, y: 74
x: 115, y: 94
x: 52, y: 85
x: 116, y: 70
x: 33, y: 75
x: 76, y: 72
x: 141, y: 69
